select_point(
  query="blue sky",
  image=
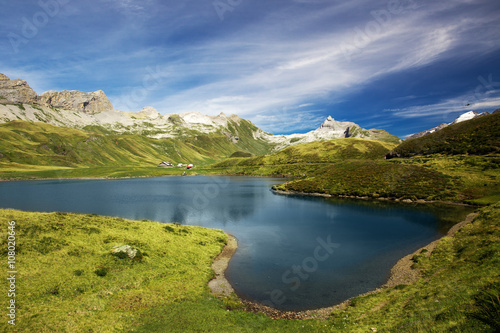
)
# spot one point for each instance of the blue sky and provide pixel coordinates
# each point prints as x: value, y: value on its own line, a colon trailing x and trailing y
x: 400, y: 65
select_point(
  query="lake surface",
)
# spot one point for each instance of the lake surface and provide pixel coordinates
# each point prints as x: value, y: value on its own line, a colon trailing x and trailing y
x: 294, y: 252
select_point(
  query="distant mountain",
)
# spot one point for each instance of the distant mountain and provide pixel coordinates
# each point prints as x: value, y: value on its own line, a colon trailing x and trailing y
x: 463, y: 117
x: 332, y: 129
x: 76, y: 109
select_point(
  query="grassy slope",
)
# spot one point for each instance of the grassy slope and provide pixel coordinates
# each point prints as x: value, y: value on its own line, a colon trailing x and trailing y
x: 26, y: 148
x: 478, y: 136
x: 57, y: 288
x: 305, y: 158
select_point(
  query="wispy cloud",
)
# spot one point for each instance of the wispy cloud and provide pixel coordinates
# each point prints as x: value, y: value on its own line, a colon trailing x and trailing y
x: 267, y: 61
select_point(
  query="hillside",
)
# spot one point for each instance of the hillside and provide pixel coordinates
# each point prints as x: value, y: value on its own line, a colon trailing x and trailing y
x: 319, y: 152
x: 477, y: 136
x: 34, y: 146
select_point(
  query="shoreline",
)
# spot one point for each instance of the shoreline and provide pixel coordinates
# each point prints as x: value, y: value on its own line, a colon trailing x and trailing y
x: 386, y: 199
x: 131, y: 177
x: 219, y: 285
x: 400, y: 274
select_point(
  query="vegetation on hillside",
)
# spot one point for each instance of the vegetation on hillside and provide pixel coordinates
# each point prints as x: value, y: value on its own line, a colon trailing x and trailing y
x: 318, y: 152
x: 24, y: 145
x: 377, y: 180
x: 478, y: 136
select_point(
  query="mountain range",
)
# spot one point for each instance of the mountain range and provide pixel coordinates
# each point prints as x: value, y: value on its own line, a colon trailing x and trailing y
x: 76, y: 109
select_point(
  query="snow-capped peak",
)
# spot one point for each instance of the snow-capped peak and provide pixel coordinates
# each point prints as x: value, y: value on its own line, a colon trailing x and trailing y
x: 465, y: 116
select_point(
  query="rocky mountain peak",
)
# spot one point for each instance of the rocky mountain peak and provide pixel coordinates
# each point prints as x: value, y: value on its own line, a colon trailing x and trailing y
x: 466, y: 116
x: 17, y: 91
x: 333, y: 125
x: 91, y: 103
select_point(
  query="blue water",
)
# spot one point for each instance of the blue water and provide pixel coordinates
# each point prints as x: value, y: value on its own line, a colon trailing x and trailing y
x: 294, y: 252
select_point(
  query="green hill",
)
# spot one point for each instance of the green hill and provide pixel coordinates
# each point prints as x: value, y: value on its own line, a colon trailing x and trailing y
x: 318, y: 152
x: 36, y: 146
x: 478, y: 136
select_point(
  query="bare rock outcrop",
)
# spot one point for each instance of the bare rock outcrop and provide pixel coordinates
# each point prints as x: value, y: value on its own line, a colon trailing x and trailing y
x: 148, y: 113
x: 90, y: 103
x: 16, y: 91
x: 339, y: 129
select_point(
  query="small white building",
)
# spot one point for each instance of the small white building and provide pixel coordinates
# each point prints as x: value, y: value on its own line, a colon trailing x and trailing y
x: 165, y: 164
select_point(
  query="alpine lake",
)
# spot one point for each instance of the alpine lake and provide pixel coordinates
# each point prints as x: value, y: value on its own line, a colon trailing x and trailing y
x: 294, y: 252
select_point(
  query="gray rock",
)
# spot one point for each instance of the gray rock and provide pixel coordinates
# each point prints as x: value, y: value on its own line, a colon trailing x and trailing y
x: 124, y: 251
x: 90, y: 103
x: 16, y: 91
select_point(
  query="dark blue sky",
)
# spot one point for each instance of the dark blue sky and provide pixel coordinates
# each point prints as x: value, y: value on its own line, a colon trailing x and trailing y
x: 400, y: 65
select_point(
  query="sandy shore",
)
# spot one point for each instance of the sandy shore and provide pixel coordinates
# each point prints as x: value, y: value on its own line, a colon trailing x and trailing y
x: 401, y: 273
x: 220, y: 286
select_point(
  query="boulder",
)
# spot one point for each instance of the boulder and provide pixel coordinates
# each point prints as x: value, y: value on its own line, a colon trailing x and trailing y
x: 126, y: 251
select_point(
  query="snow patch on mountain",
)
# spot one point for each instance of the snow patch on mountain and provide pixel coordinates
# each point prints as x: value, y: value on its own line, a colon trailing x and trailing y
x: 463, y: 117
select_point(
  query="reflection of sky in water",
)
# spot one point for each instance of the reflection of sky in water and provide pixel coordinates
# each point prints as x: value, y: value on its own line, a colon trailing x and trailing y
x: 274, y: 232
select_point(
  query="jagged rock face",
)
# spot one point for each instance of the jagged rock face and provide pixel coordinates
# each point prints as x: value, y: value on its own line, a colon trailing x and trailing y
x: 341, y: 129
x: 16, y: 91
x: 91, y: 103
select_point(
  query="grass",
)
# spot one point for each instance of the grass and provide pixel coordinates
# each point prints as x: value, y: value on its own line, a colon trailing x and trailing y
x: 463, y: 179
x: 69, y: 281
x: 376, y: 179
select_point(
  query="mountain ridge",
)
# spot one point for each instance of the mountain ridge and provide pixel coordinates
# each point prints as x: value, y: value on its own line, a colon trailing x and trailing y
x: 463, y: 117
x: 76, y: 109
